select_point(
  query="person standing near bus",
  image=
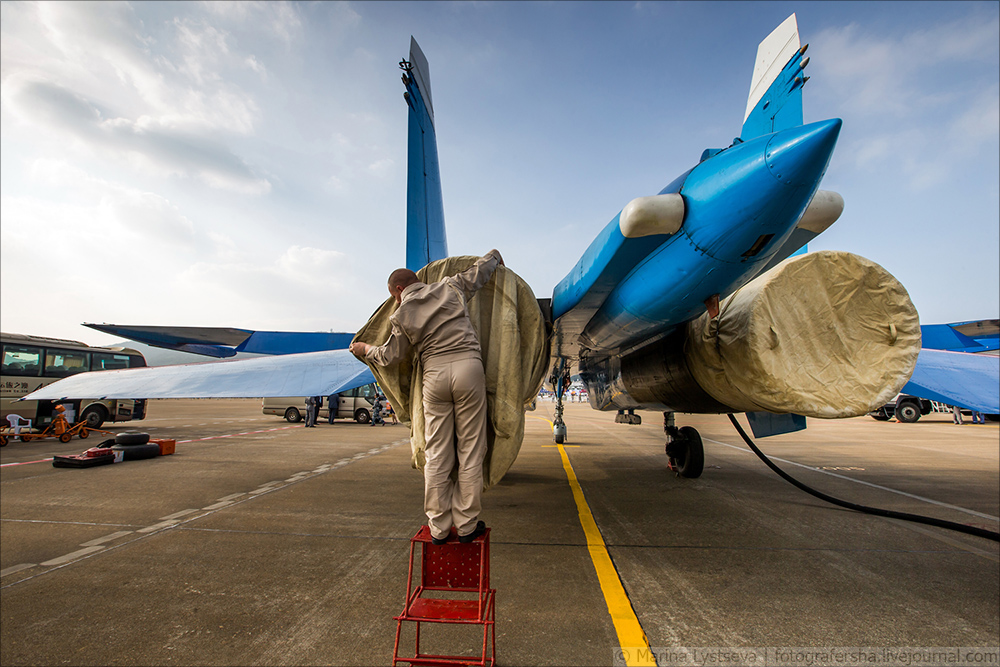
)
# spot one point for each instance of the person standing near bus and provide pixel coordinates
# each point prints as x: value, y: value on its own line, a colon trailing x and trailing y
x: 312, y: 409
x: 433, y: 320
x: 332, y: 405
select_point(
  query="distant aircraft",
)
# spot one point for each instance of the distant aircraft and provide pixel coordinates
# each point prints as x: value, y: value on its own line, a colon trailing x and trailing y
x: 682, y: 303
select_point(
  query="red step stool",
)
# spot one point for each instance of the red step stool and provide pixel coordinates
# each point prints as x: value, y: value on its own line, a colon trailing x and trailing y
x: 462, y: 572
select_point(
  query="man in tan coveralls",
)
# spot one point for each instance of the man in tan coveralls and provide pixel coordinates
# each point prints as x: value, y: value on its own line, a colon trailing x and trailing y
x: 433, y: 320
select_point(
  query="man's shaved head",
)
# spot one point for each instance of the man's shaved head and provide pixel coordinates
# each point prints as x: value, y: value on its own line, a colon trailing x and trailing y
x: 399, y: 280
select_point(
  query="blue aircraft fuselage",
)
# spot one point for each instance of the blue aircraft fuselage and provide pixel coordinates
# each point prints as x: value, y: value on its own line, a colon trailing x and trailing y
x: 740, y: 205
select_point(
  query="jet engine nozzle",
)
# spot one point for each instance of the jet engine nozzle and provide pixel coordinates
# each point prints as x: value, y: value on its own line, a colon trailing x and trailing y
x: 800, y: 156
x: 826, y: 334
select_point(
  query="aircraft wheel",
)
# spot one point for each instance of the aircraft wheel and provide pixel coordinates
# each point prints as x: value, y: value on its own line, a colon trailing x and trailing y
x: 559, y: 434
x: 907, y: 413
x: 65, y: 437
x: 292, y: 416
x: 687, y: 454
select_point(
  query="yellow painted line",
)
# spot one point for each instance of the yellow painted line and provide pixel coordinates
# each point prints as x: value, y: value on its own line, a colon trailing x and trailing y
x: 630, y: 634
x: 627, y: 626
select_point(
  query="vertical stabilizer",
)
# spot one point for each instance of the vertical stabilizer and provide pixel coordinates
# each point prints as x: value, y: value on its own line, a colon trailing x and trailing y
x: 775, y: 100
x: 425, y: 233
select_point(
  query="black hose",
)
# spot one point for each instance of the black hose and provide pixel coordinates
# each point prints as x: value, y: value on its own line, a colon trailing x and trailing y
x: 930, y: 521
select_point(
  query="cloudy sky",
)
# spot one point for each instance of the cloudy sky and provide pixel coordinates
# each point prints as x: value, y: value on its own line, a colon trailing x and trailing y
x: 243, y: 164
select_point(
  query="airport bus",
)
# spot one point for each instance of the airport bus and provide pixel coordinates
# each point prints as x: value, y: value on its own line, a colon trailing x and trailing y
x: 31, y: 362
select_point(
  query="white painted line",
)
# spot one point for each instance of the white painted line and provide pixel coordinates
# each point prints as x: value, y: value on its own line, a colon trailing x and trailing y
x: 106, y: 538
x: 232, y: 496
x: 220, y: 505
x: 858, y: 481
x: 73, y: 556
x: 157, y: 526
x: 177, y: 515
x: 16, y: 568
x: 263, y: 489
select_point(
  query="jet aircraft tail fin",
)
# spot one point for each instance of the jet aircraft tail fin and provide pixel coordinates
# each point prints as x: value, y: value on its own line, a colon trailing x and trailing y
x: 775, y: 101
x: 425, y: 233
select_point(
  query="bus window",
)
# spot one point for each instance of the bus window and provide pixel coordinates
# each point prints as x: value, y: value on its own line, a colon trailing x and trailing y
x: 21, y: 360
x: 367, y: 391
x: 62, y: 363
x: 107, y: 362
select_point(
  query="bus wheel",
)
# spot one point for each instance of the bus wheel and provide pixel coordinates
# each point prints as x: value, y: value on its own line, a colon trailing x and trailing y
x: 95, y: 416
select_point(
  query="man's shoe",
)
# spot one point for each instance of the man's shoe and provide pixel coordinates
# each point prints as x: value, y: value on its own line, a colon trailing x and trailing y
x: 439, y: 540
x: 480, y: 529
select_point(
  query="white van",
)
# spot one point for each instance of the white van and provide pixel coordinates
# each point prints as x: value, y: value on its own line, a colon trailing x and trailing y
x: 355, y: 404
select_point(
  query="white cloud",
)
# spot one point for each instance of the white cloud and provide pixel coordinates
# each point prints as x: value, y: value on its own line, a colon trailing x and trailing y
x: 906, y: 91
x: 145, y: 142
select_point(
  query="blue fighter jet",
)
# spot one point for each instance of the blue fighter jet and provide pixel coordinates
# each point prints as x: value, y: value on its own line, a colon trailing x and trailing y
x: 696, y: 299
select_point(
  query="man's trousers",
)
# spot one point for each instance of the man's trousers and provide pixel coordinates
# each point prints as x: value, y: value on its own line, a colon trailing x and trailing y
x: 454, y: 401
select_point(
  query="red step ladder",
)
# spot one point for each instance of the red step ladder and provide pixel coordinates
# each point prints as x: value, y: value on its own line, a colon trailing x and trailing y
x: 454, y: 588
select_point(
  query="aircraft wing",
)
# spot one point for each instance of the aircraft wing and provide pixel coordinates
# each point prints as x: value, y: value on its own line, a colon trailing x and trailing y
x: 309, y: 374
x: 970, y: 381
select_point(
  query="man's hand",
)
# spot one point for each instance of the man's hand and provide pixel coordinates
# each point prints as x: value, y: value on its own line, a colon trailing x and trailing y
x: 359, y: 349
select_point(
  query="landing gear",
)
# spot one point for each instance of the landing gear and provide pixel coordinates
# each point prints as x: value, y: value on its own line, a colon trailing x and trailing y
x: 685, y: 453
x: 559, y: 379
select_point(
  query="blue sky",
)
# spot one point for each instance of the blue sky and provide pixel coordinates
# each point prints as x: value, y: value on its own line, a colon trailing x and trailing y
x: 218, y: 164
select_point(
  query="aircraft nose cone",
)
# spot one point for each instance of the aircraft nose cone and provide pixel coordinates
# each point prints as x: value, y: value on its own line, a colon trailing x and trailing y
x: 799, y: 156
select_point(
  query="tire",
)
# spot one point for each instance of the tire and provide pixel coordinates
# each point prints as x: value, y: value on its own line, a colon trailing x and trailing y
x: 880, y: 416
x: 84, y: 434
x: 907, y: 412
x: 95, y: 416
x: 293, y: 416
x: 138, y: 452
x: 65, y: 437
x: 362, y: 416
x: 560, y: 438
x: 3, y: 440
x: 131, y: 439
x: 687, y: 453
x: 82, y: 461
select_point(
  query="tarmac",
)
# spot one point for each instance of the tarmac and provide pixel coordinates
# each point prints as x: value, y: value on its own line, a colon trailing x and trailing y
x: 264, y: 543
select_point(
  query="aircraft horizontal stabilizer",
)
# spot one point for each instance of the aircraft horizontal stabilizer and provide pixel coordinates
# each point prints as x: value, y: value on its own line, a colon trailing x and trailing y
x: 976, y: 336
x: 970, y: 381
x: 222, y: 342
x: 309, y: 374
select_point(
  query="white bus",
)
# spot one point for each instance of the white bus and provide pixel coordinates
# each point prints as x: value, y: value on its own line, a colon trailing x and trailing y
x: 31, y: 362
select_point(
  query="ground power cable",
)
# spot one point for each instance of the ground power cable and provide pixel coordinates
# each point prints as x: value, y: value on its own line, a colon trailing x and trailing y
x: 930, y: 521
